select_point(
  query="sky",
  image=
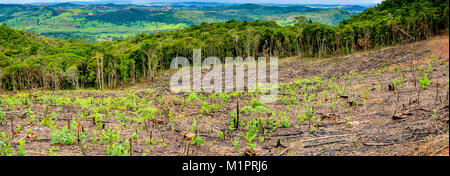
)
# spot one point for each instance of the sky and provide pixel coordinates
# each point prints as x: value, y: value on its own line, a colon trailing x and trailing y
x: 230, y: 1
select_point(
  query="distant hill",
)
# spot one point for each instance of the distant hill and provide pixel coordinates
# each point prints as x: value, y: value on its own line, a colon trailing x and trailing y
x: 116, y: 21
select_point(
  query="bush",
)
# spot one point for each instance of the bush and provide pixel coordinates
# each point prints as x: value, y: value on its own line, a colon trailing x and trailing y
x: 425, y: 82
x: 62, y: 136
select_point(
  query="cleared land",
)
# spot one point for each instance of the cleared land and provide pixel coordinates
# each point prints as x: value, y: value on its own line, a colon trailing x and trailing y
x: 359, y: 111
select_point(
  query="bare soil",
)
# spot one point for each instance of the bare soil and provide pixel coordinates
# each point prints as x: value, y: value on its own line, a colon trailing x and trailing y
x: 364, y: 128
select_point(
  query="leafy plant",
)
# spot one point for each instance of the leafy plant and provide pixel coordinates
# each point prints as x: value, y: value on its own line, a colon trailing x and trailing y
x: 236, y: 142
x: 430, y: 68
x: 366, y: 93
x: 348, y: 121
x: 194, y: 126
x: 435, y: 116
x: 46, y: 122
x: 232, y: 123
x: 285, y: 122
x: 207, y: 108
x: 252, y: 131
x: 256, y: 107
x: 148, y: 113
x: 62, y: 136
x: 117, y: 149
x: 197, y: 140
x: 21, y: 149
x: 2, y: 115
x: 425, y: 82
x: 5, y: 145
x: 192, y: 97
x: 52, y: 152
x: 150, y: 142
x: 221, y: 135
x: 312, y: 129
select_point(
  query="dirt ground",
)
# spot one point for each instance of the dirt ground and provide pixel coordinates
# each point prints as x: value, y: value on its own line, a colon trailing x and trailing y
x: 352, y: 98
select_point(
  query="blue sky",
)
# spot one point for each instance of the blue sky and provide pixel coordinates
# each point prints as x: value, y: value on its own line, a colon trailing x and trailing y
x: 232, y: 1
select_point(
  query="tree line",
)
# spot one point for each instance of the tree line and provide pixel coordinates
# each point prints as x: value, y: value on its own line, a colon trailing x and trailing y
x: 30, y: 61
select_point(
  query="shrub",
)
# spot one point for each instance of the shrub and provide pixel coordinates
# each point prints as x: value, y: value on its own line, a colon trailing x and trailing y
x: 197, y: 140
x: 62, y: 136
x: 425, y: 82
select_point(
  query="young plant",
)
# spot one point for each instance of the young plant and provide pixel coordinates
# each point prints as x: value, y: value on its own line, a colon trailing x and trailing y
x: 52, y: 151
x: 236, y: 142
x: 333, y: 106
x: 285, y: 122
x: 430, y: 68
x: 192, y: 97
x: 194, y: 126
x: 252, y: 131
x: 197, y: 140
x: 435, y: 117
x: 22, y: 151
x: 62, y: 136
x: 256, y: 107
x: 232, y: 123
x: 221, y: 135
x: 5, y: 145
x: 312, y: 129
x: 117, y: 149
x: 425, y: 82
x: 348, y: 121
x: 2, y: 115
x: 366, y: 93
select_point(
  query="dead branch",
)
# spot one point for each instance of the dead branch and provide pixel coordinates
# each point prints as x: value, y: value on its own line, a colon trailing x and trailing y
x: 378, y: 144
x: 325, y: 137
x: 282, y: 152
x: 325, y: 143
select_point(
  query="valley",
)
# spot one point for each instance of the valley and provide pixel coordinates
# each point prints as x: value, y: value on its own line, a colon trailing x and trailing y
x: 99, y: 22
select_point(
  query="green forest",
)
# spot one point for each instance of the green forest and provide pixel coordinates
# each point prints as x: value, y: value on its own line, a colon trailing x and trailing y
x: 29, y: 60
x: 98, y: 22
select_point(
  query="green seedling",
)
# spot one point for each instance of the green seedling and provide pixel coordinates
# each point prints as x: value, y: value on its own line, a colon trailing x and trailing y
x: 435, y: 117
x: 425, y: 82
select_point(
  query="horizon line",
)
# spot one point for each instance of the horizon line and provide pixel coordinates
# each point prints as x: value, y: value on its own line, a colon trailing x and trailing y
x: 179, y: 2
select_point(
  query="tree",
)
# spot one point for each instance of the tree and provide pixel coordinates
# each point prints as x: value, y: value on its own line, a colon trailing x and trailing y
x: 54, y: 74
x: 72, y: 74
x: 99, y: 55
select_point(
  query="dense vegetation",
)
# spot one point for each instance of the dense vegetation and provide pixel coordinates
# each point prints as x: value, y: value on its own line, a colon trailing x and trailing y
x: 106, y: 21
x: 31, y: 61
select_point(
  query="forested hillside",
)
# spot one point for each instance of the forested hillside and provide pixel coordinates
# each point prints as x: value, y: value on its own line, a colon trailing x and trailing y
x: 31, y: 61
x: 118, y: 21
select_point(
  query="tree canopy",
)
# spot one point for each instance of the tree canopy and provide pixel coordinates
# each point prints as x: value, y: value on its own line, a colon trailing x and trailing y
x: 30, y: 61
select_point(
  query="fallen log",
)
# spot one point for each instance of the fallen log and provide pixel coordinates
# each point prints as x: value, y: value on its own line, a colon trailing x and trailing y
x: 325, y: 137
x: 325, y: 143
x: 377, y: 144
